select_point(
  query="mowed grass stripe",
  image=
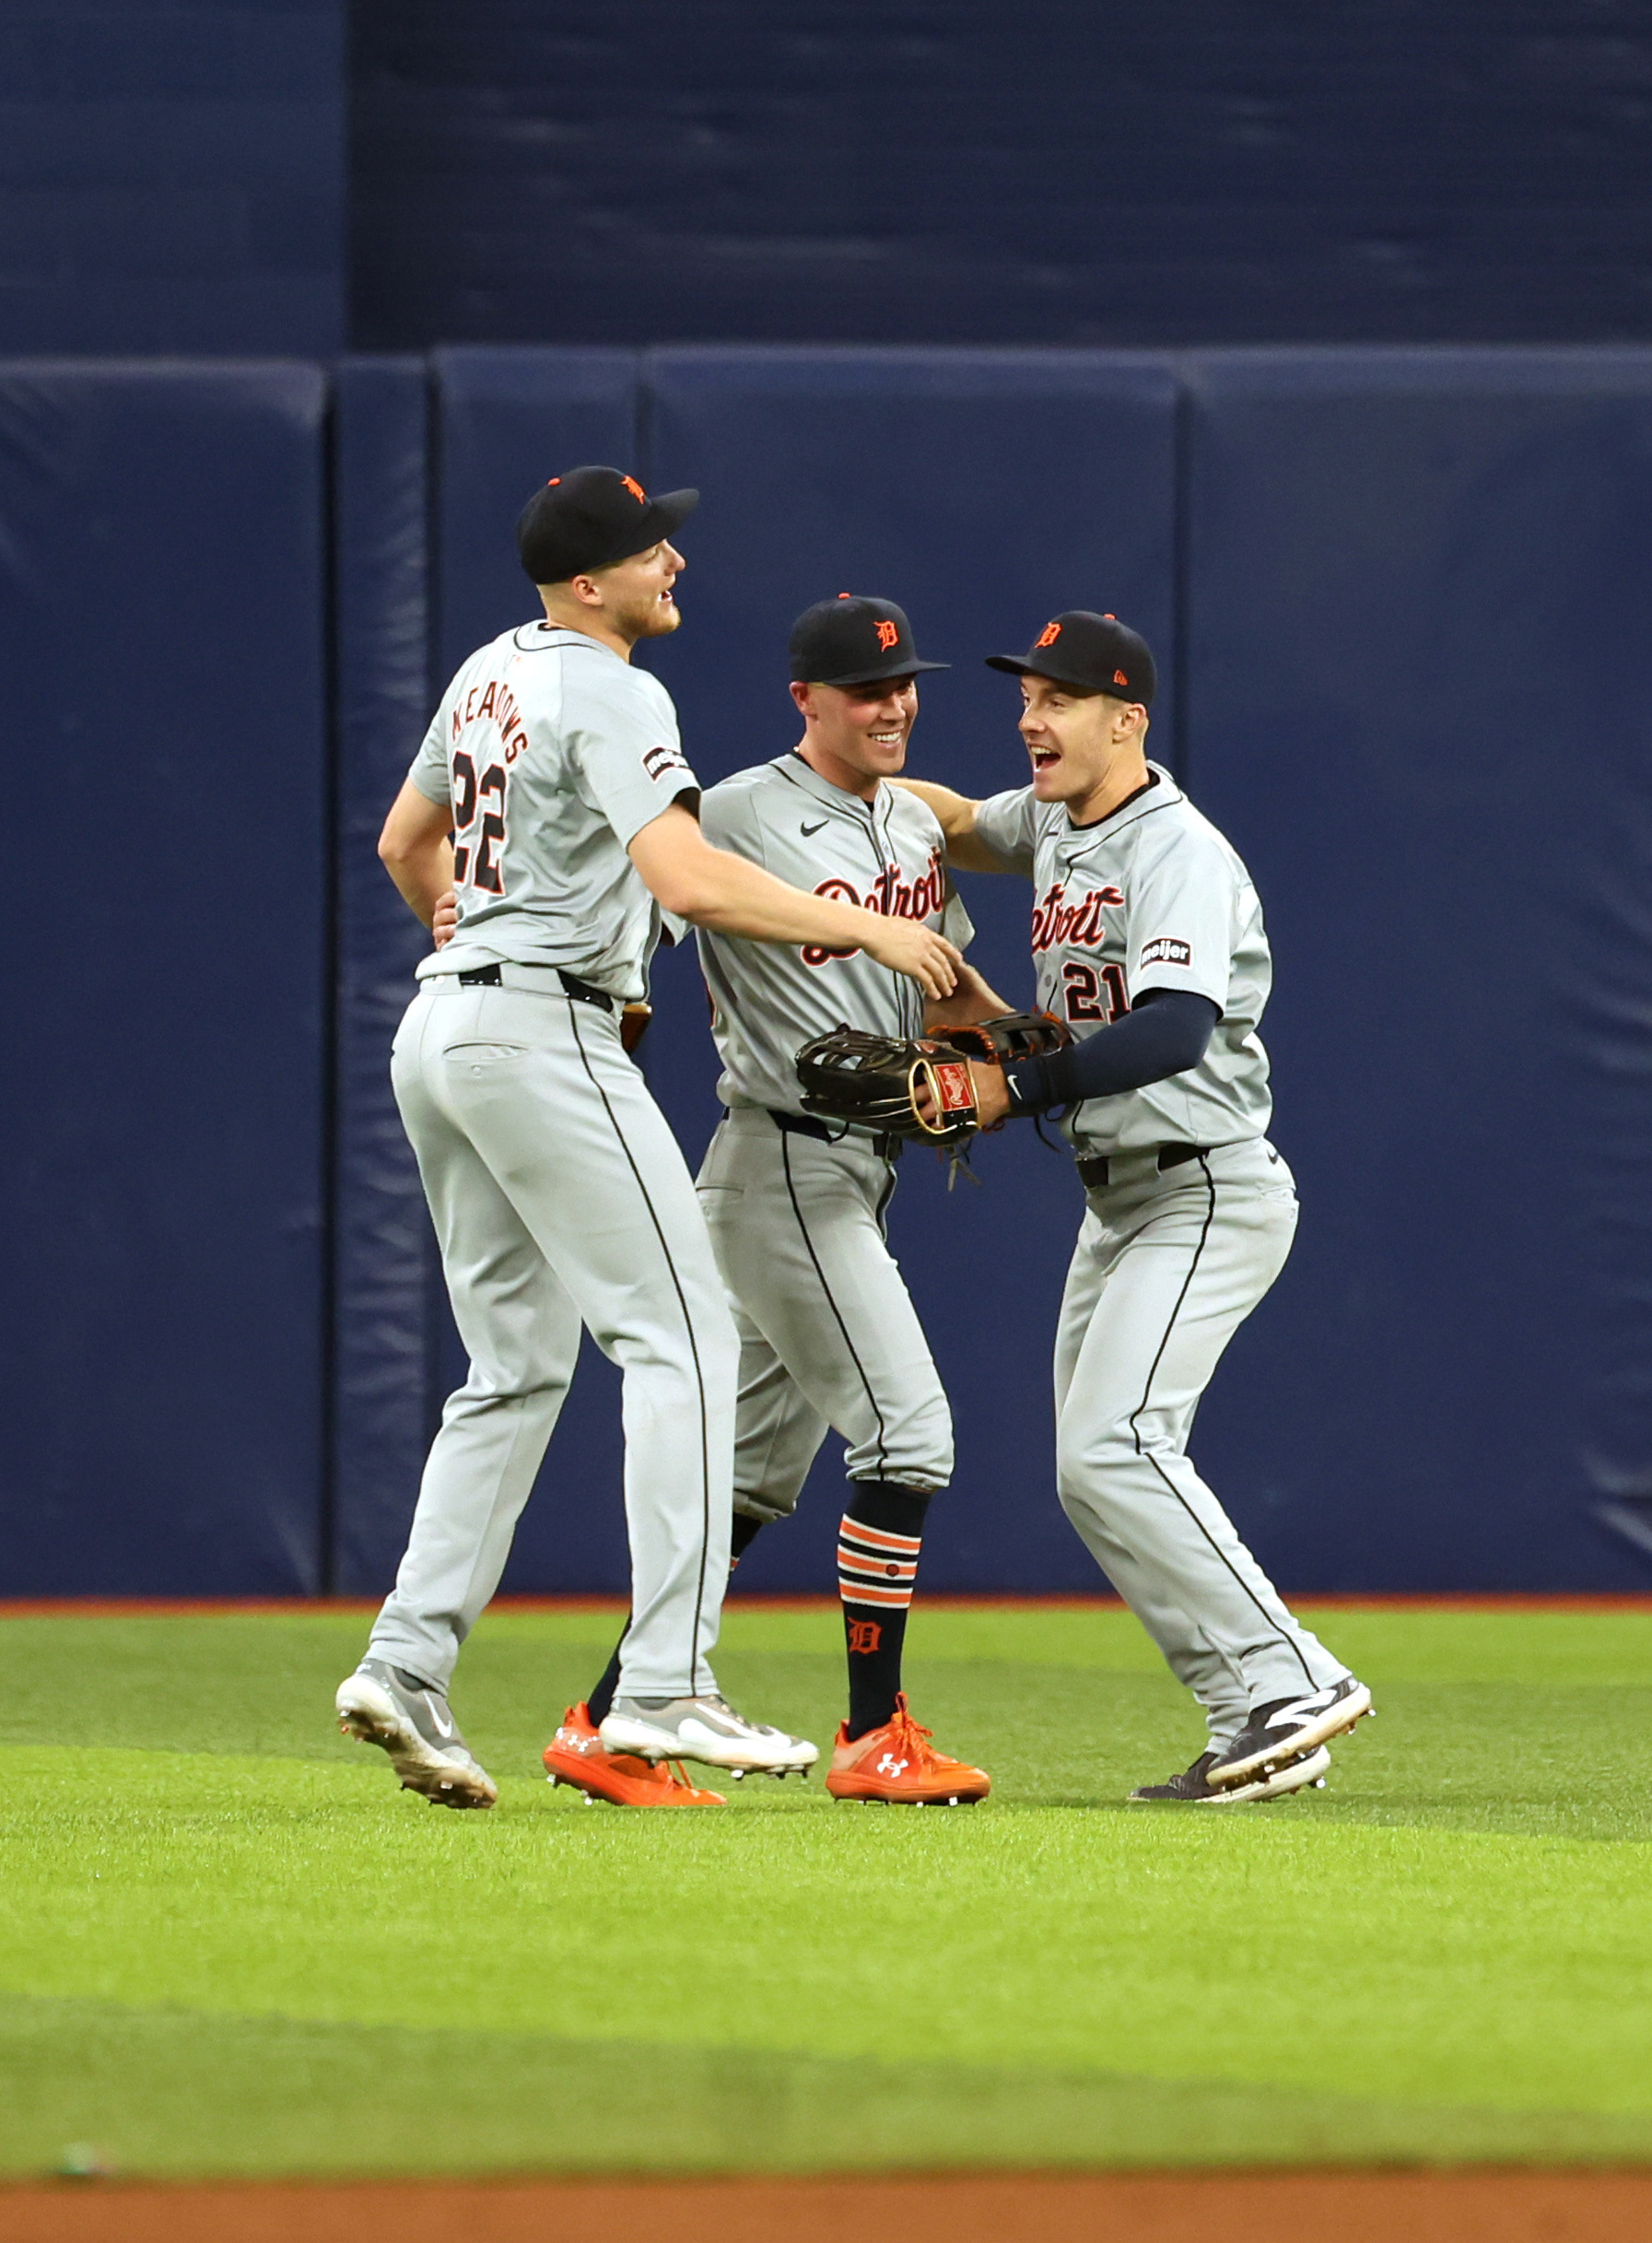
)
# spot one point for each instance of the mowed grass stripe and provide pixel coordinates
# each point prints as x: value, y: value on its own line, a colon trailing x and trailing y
x: 174, y: 2092
x: 1415, y: 1964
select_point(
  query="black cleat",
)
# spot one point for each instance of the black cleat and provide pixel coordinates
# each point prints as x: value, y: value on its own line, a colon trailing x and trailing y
x: 1288, y: 1727
x: 1192, y: 1788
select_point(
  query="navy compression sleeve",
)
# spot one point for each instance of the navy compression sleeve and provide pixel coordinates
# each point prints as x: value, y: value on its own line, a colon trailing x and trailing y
x: 1165, y: 1032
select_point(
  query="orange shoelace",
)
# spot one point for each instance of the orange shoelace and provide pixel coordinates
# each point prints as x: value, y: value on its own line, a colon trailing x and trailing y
x: 913, y: 1737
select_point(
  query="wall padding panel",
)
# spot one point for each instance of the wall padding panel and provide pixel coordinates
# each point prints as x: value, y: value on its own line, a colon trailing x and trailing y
x: 162, y: 608
x: 1422, y: 708
x: 383, y: 1252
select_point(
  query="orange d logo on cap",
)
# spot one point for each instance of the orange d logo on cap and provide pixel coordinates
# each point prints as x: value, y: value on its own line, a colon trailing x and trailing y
x: 1119, y: 678
x: 1048, y: 635
x: 888, y: 633
x: 635, y: 489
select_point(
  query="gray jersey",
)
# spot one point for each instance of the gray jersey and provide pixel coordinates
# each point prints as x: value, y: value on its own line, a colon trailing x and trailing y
x: 767, y: 998
x: 554, y: 753
x: 1150, y: 898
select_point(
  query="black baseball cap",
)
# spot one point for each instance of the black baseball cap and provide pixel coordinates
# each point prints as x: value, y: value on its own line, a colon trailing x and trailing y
x: 854, y: 642
x: 1097, y: 653
x: 590, y: 518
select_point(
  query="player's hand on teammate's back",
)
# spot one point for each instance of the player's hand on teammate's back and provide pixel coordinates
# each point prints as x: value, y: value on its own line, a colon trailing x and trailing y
x: 444, y: 925
x: 906, y: 945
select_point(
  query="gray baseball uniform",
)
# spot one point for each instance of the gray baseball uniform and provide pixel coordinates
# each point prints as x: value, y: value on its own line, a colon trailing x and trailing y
x: 1189, y: 1218
x: 827, y: 1332
x: 558, y: 1192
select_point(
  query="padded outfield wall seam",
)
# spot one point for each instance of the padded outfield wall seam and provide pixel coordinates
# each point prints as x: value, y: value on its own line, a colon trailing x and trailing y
x: 436, y: 1296
x: 1181, y: 573
x: 327, y: 1555
x: 642, y: 424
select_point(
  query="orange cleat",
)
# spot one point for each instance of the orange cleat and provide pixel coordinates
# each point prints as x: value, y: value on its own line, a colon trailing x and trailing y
x: 576, y: 1756
x: 898, y: 1764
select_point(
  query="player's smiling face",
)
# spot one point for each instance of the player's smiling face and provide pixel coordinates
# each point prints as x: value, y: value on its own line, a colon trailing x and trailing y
x: 1085, y: 747
x: 638, y: 594
x: 857, y: 735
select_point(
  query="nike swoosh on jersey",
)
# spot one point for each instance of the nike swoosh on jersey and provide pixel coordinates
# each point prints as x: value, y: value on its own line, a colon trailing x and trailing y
x: 806, y: 831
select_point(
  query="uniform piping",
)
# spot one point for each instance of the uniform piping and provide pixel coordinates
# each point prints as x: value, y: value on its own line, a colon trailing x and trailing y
x: 1275, y: 1633
x: 700, y: 1594
x: 831, y: 1304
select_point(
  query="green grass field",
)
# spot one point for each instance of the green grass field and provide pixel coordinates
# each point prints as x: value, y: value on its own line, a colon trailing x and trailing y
x: 229, y: 1945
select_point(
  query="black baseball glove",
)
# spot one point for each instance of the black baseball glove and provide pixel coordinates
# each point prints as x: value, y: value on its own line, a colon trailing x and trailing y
x: 879, y: 1082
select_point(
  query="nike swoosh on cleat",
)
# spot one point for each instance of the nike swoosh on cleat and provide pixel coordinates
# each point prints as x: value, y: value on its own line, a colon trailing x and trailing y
x: 443, y: 1728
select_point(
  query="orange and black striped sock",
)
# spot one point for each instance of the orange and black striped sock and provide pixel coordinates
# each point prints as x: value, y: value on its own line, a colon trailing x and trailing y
x: 878, y: 1546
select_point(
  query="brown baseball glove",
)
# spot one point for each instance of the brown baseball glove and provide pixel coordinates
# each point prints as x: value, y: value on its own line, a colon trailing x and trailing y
x: 879, y: 1083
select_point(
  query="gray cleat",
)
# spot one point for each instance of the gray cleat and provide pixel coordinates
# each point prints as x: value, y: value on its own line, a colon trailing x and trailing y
x: 704, y: 1728
x: 410, y: 1720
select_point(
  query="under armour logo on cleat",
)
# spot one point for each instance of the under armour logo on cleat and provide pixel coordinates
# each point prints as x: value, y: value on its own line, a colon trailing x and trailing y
x: 889, y: 1766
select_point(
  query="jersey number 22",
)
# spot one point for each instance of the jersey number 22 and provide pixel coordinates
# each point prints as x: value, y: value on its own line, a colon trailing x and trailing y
x: 469, y: 794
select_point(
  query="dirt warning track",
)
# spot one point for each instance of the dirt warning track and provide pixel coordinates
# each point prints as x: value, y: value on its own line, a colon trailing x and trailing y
x: 1321, y: 2207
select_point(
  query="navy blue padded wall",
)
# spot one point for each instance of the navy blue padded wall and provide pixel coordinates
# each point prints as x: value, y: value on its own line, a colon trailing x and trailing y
x: 919, y: 171
x: 1420, y: 706
x: 506, y: 420
x: 984, y: 490
x: 173, y: 175
x: 384, y: 1250
x: 162, y: 606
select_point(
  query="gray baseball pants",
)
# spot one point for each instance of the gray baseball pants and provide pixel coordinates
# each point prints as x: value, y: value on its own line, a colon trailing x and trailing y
x: 1167, y: 1268
x: 829, y: 1335
x: 560, y: 1197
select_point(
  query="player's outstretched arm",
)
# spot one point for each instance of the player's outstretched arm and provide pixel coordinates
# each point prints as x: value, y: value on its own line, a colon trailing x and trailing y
x: 954, y: 814
x: 417, y: 851
x: 714, y: 888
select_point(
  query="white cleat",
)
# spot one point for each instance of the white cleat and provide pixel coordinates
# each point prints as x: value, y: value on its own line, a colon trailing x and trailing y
x: 705, y: 1729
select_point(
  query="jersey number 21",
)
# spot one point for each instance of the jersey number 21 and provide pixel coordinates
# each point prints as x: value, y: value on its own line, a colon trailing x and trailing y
x: 1093, y: 992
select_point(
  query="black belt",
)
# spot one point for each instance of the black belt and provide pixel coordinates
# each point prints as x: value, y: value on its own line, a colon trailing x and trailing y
x: 1093, y: 1172
x: 489, y: 977
x: 886, y: 1147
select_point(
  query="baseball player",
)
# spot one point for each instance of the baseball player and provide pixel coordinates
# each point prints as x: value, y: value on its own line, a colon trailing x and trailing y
x: 829, y: 1335
x: 551, y: 792
x: 1148, y: 941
